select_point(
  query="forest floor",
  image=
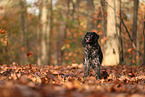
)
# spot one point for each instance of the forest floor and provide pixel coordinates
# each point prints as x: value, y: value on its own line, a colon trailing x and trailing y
x: 67, y: 81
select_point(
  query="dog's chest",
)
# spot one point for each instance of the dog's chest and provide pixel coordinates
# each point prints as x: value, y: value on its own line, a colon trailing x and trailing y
x: 91, y: 51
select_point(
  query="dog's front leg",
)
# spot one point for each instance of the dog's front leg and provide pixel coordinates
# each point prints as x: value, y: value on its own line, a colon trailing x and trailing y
x: 86, y: 66
x: 97, y: 68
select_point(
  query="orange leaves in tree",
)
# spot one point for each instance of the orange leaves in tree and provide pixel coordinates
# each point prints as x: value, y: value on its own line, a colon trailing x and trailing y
x: 131, y: 50
x: 29, y: 54
x: 68, y: 45
x: 133, y: 61
x: 65, y: 46
x: 104, y: 39
x: 5, y: 38
x: 2, y: 31
x: 99, y: 26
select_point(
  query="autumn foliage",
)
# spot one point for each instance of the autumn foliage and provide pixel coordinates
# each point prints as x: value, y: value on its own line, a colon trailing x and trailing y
x: 2, y: 31
x: 67, y: 81
x: 3, y: 37
x: 21, y: 37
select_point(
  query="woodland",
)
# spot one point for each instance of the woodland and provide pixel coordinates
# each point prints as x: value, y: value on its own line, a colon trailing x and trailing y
x: 41, y: 53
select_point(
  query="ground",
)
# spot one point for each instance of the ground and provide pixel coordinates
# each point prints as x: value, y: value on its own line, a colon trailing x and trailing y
x: 67, y: 81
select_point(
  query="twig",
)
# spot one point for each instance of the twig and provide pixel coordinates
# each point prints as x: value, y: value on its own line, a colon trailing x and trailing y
x: 144, y: 38
x: 128, y: 33
x: 130, y: 37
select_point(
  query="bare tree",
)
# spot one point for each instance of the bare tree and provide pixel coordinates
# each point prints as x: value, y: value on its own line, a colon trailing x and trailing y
x: 61, y: 32
x: 91, y: 10
x: 50, y: 20
x: 23, y: 11
x: 144, y: 38
x: 102, y: 3
x: 120, y: 37
x: 111, y: 56
x: 38, y: 38
x: 77, y: 4
x: 134, y: 32
x: 44, y: 56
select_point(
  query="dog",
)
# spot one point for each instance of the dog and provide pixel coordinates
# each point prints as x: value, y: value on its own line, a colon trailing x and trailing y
x: 93, y: 55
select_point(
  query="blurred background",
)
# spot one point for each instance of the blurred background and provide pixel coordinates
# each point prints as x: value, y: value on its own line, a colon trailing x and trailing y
x: 49, y: 32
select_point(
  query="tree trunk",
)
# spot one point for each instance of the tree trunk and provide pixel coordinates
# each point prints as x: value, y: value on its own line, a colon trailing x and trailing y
x: 111, y: 56
x: 104, y: 21
x: 61, y: 33
x: 144, y: 38
x: 91, y: 10
x: 23, y: 31
x: 102, y: 5
x: 134, y: 32
x: 49, y: 20
x: 120, y: 38
x: 50, y: 31
x: 44, y: 56
x: 38, y: 38
x: 77, y: 6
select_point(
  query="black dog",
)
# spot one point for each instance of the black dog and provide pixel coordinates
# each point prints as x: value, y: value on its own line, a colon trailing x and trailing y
x: 93, y: 55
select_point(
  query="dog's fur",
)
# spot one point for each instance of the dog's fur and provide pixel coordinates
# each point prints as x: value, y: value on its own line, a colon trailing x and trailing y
x: 93, y: 55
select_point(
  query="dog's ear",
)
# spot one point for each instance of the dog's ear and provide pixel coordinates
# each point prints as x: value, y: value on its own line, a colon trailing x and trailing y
x: 83, y: 42
x: 96, y: 36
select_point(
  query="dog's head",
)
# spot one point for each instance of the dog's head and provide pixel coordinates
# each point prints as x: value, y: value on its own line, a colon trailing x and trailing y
x: 90, y: 38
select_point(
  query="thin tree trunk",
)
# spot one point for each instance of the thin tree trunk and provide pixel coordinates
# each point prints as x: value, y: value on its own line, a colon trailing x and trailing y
x: 120, y: 39
x: 44, y: 55
x: 61, y: 34
x: 144, y: 38
x: 91, y: 10
x: 23, y: 31
x: 104, y: 21
x: 103, y: 17
x: 77, y: 6
x: 38, y: 39
x: 48, y: 33
x: 134, y: 32
x: 51, y: 32
x: 137, y: 48
x: 111, y: 56
x: 74, y: 9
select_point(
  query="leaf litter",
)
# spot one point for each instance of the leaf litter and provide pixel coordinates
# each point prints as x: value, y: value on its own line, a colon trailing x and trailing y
x: 67, y: 81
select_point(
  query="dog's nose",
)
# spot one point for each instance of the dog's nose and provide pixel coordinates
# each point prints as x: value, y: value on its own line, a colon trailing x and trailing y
x: 88, y: 38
